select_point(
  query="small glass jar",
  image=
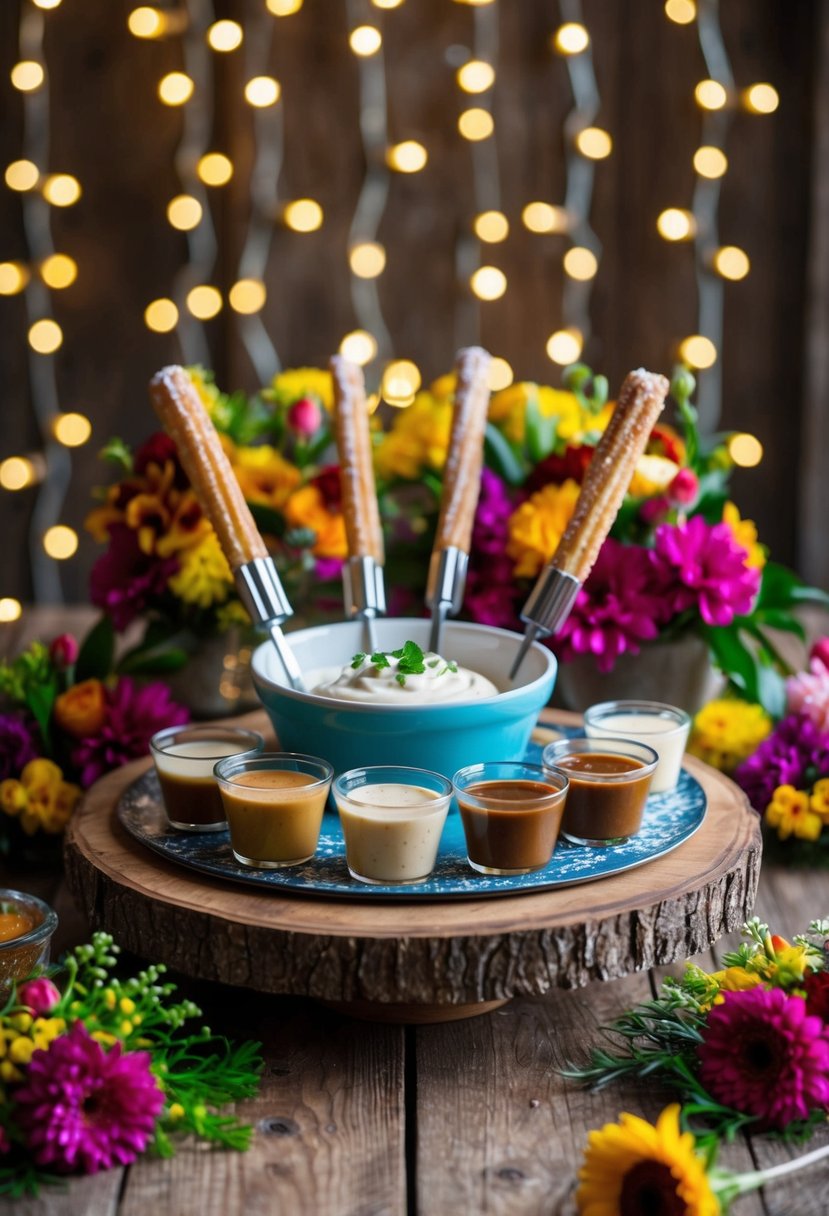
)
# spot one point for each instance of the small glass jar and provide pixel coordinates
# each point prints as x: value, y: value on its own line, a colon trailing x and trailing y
x: 663, y: 727
x: 184, y: 758
x: 27, y: 925
x: 511, y: 814
x: 609, y: 783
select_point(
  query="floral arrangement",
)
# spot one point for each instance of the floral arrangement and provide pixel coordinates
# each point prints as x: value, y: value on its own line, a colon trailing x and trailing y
x: 100, y: 1069
x: 64, y: 723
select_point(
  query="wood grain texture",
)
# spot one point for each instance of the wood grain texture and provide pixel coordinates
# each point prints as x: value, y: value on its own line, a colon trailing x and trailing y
x: 93, y: 1196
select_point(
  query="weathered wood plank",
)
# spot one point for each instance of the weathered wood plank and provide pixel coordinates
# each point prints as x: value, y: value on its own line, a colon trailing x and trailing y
x: 96, y: 1195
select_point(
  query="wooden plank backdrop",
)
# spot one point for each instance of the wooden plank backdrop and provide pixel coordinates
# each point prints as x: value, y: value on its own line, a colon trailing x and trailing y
x: 109, y: 129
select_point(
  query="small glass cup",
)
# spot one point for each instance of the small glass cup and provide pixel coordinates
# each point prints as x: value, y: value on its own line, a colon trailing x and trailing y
x: 511, y: 814
x: 185, y: 757
x: 609, y: 783
x: 274, y: 804
x: 26, y: 928
x: 663, y: 727
x: 392, y: 819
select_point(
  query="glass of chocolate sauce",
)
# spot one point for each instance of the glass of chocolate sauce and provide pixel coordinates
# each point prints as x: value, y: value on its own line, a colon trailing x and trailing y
x: 511, y: 814
x: 184, y: 759
x: 609, y: 783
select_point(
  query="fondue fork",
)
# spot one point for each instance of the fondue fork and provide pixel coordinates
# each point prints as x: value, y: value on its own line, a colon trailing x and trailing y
x: 186, y: 421
x: 363, y: 589
x: 641, y: 400
x: 461, y: 487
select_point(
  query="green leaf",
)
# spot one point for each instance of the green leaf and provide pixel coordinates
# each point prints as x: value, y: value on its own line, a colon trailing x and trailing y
x: 95, y: 660
x: 117, y: 452
x: 153, y: 662
x: 379, y: 660
x: 500, y: 456
x: 733, y: 658
x: 267, y: 519
x: 781, y: 588
x: 358, y: 660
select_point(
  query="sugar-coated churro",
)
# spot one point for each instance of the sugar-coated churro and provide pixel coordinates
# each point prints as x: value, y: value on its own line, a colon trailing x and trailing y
x: 462, y: 471
x: 359, y: 496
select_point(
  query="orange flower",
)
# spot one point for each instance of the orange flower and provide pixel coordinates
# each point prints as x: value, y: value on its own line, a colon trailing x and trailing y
x: 306, y: 509
x: 82, y: 710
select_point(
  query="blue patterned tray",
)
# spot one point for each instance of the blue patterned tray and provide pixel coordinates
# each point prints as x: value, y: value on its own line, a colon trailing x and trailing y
x: 669, y: 820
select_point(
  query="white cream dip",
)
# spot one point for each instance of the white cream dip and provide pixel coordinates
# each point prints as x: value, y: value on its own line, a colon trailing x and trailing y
x: 391, y: 831
x: 442, y: 680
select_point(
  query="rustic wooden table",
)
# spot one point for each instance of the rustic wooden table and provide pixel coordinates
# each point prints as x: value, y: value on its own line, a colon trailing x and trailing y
x: 362, y: 1119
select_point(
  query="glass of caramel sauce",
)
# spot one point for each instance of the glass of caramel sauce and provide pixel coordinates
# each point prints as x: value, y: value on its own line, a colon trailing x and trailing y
x: 609, y: 783
x: 274, y: 804
x: 511, y: 814
x: 26, y: 928
x: 185, y: 757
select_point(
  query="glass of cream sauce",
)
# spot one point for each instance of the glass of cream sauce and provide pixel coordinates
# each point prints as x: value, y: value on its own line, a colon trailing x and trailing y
x: 184, y: 758
x: 392, y: 819
x: 664, y: 727
x: 511, y: 814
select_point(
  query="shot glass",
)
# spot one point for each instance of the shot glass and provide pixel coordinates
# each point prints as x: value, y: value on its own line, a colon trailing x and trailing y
x: 274, y: 804
x: 26, y: 928
x: 511, y: 814
x: 609, y: 783
x: 663, y: 727
x: 392, y: 819
x: 185, y: 757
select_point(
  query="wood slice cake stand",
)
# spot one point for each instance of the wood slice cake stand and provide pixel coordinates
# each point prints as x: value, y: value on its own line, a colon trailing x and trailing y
x: 417, y: 961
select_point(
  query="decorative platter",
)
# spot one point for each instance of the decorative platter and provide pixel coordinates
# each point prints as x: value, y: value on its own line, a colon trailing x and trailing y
x: 669, y: 820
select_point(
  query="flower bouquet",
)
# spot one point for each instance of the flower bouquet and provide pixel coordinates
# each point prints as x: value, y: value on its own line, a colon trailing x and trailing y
x: 98, y: 1070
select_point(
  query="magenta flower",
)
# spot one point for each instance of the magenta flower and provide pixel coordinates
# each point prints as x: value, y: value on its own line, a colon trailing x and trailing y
x: 40, y: 995
x: 64, y: 650
x: 85, y: 1109
x: 808, y: 693
x: 820, y: 651
x: 783, y: 758
x: 495, y: 505
x: 492, y: 595
x: 305, y: 417
x: 17, y: 744
x: 684, y: 489
x: 711, y: 569
x: 124, y: 581
x: 133, y: 716
x: 762, y: 1054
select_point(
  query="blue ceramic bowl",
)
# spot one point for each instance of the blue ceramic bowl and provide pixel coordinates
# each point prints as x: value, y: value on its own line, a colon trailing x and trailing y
x: 442, y: 738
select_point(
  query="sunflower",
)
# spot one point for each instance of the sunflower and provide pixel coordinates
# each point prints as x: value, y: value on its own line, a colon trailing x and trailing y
x: 632, y: 1168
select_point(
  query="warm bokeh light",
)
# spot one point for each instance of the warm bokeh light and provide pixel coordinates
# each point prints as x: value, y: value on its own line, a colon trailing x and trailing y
x: 146, y: 22
x: 248, y: 296
x: 16, y: 472
x: 22, y: 175
x: 60, y: 542
x: 594, y: 142
x: 262, y: 91
x: 761, y: 99
x: 682, y: 12
x: 571, y: 38
x: 10, y: 609
x: 732, y: 262
x: 745, y: 450
x: 175, y: 88
x: 488, y: 283
x: 367, y: 259
x: 698, y: 351
x: 710, y: 161
x: 161, y: 316
x: 225, y: 35
x: 491, y: 226
x: 72, y: 430
x: 387, y: 3
x: 59, y: 271
x: 215, y: 169
x: 475, y: 76
x: 13, y: 278
x: 61, y: 189
x: 184, y: 212
x: 283, y: 8
x: 407, y: 157
x: 500, y: 375
x: 204, y: 301
x: 27, y: 75
x: 711, y: 95
x: 45, y: 336
x: 565, y: 346
x: 401, y: 380
x: 303, y: 215
x: 476, y: 123
x: 359, y: 347
x: 365, y: 40
x: 544, y: 217
x: 676, y: 224
x: 47, y: 4
x: 580, y: 263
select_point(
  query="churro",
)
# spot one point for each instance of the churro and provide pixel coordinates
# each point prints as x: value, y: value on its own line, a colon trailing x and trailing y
x: 462, y: 471
x: 359, y: 496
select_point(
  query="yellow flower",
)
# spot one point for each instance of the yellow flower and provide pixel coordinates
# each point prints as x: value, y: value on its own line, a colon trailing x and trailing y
x: 21, y: 1050
x: 632, y: 1166
x: 652, y: 475
x: 444, y: 386
x: 206, y: 389
x: 176, y: 1111
x: 41, y: 797
x: 126, y: 1005
x: 819, y: 799
x: 12, y: 796
x: 744, y: 532
x: 82, y: 709
x: 727, y: 730
x: 418, y: 439
x: 306, y: 509
x: 734, y: 979
x: 299, y: 382
x: 508, y: 409
x: 536, y: 527
x: 264, y: 475
x: 789, y: 813
x: 230, y: 615
x: 203, y: 577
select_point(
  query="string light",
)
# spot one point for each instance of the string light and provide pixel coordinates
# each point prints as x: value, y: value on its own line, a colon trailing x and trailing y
x: 580, y: 263
x: 407, y: 157
x: 698, y: 351
x: 544, y: 217
x: 27, y: 75
x: 491, y: 226
x: 146, y: 22
x: 401, y: 380
x: 215, y: 169
x: 303, y: 215
x: 676, y: 224
x: 359, y: 347
x: 161, y: 316
x: 761, y: 99
x: 262, y: 91
x: 571, y: 38
x: 175, y: 88
x: 61, y: 189
x: 72, y: 429
x: 387, y: 3
x: 248, y: 296
x: 682, y: 12
x: 204, y: 301
x: 476, y: 124
x: 58, y: 271
x: 22, y: 175
x: 731, y: 262
x: 475, y: 76
x: 225, y: 36
x: 488, y: 283
x: 745, y: 450
x: 45, y: 336
x: 367, y: 260
x: 710, y: 95
x: 594, y: 143
x: 565, y: 345
x: 16, y: 473
x: 184, y: 212
x: 283, y: 8
x: 60, y: 542
x: 710, y: 161
x: 365, y: 40
x: 47, y: 4
x: 10, y: 609
x: 13, y: 278
x: 500, y: 374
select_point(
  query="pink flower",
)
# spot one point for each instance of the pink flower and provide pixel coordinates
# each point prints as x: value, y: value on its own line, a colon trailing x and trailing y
x: 124, y: 580
x: 762, y: 1054
x: 64, y: 650
x: 820, y: 651
x: 133, y: 716
x: 808, y: 693
x: 5, y: 1142
x: 305, y: 417
x: 684, y: 488
x: 84, y: 1109
x: 654, y: 509
x: 40, y: 996
x: 710, y: 567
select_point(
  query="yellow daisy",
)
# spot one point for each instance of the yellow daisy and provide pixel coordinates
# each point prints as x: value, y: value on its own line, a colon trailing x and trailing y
x: 727, y: 731
x: 789, y: 814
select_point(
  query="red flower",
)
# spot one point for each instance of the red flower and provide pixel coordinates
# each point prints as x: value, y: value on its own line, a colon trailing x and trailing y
x: 572, y: 465
x: 816, y: 984
x: 64, y: 650
x: 157, y: 450
x: 327, y: 482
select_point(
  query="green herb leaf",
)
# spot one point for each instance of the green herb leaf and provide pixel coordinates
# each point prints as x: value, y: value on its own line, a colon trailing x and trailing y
x: 401, y: 679
x: 379, y: 660
x: 358, y: 660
